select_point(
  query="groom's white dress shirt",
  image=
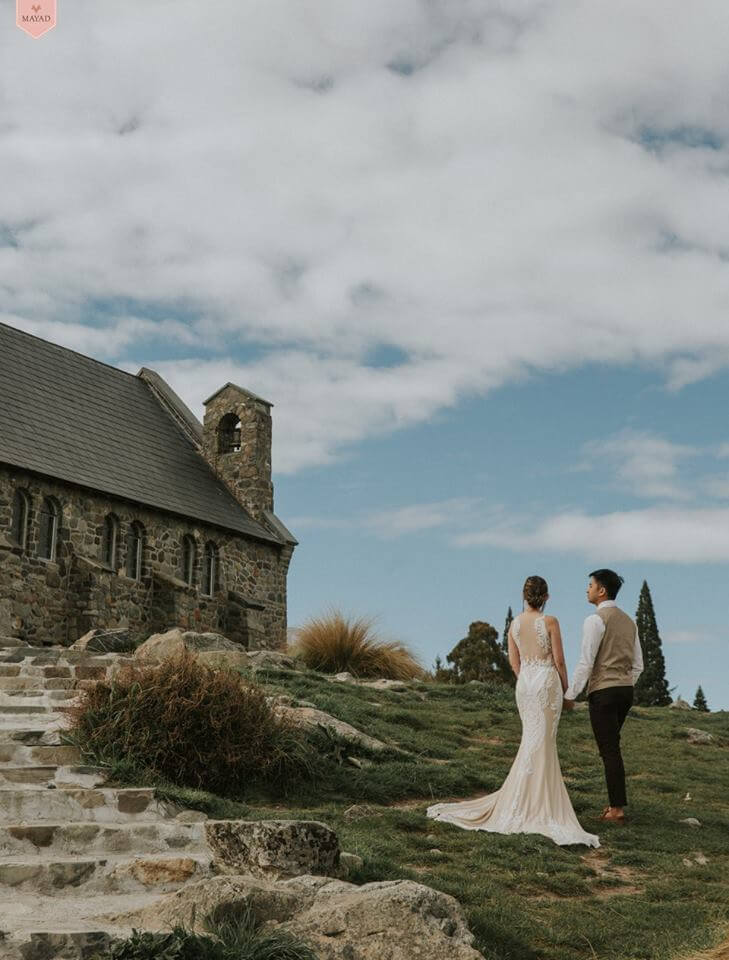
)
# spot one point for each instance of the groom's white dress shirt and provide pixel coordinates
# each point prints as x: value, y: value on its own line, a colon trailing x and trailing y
x: 592, y: 633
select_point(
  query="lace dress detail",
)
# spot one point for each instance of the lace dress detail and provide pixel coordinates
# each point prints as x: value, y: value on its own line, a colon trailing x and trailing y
x: 533, y: 798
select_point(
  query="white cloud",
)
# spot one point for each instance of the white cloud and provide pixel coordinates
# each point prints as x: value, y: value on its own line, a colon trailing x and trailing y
x: 417, y: 517
x: 491, y: 189
x: 641, y: 462
x: 659, y: 535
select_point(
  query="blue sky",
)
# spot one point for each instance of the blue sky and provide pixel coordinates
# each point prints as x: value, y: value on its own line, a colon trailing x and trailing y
x: 476, y: 254
x: 380, y: 530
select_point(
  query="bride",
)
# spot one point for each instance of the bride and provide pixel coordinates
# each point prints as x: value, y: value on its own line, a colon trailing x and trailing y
x: 533, y: 798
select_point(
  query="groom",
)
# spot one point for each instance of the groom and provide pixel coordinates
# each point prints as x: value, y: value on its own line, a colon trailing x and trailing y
x: 610, y: 663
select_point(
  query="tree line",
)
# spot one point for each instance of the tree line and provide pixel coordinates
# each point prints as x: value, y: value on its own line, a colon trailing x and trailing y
x: 483, y: 656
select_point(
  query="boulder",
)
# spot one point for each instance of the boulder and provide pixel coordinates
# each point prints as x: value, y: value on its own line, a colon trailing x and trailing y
x: 273, y: 848
x: 105, y: 641
x: 699, y: 736
x: 388, y: 920
x: 212, y: 649
x: 691, y: 821
x: 190, y: 905
x: 679, y: 704
x: 312, y: 717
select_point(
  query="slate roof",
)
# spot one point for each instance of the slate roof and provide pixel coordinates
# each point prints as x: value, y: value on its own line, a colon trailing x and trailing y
x: 74, y: 418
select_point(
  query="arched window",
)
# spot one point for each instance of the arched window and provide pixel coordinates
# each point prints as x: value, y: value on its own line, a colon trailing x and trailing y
x: 229, y: 433
x: 189, y: 555
x: 135, y: 550
x: 210, y: 569
x: 109, y: 540
x: 48, y: 529
x: 21, y: 510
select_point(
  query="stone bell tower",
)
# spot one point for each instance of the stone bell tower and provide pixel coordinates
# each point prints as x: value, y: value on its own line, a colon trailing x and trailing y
x: 237, y: 445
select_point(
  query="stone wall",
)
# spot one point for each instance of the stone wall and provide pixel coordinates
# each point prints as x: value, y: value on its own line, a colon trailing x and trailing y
x: 57, y: 601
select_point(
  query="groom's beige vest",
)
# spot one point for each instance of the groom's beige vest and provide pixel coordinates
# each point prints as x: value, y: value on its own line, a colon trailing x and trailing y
x: 613, y: 665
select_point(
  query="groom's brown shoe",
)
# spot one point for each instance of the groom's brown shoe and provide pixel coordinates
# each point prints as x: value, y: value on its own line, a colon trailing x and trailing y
x: 609, y: 817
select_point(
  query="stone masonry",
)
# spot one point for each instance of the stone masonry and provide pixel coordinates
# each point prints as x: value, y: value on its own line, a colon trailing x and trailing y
x: 140, y: 459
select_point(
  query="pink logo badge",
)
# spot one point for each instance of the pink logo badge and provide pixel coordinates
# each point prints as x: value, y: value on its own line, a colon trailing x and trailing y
x: 36, y: 17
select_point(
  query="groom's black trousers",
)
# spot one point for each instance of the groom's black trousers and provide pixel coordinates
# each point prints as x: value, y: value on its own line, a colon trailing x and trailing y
x: 608, y: 710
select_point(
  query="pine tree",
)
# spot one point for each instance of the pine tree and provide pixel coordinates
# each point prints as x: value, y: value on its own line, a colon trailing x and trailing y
x: 480, y: 656
x: 700, y: 701
x: 651, y: 688
x: 507, y: 624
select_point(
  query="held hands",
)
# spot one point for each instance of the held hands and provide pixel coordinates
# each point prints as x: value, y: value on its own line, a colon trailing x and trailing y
x: 568, y: 704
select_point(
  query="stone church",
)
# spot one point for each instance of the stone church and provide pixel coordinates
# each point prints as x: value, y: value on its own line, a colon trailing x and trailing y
x: 120, y: 510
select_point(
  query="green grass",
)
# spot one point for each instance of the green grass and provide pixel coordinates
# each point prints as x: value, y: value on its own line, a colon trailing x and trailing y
x: 525, y: 897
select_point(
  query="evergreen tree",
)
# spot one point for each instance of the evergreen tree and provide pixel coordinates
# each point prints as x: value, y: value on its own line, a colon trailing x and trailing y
x: 442, y: 674
x: 480, y: 656
x: 700, y: 701
x: 505, y: 638
x: 651, y: 689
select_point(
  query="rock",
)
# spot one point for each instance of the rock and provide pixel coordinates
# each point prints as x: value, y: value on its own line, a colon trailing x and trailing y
x: 305, y: 703
x: 190, y: 905
x: 191, y: 816
x: 273, y: 848
x: 260, y: 659
x: 343, y: 677
x: 349, y: 862
x: 388, y: 920
x: 105, y: 641
x: 698, y: 736
x: 211, y: 648
x: 312, y: 718
x: 700, y: 859
x: 396, y: 686
x: 679, y: 704
x: 160, y: 646
x: 691, y: 821
x: 359, y: 811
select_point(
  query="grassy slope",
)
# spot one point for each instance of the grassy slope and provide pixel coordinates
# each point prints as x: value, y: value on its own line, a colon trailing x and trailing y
x: 525, y: 897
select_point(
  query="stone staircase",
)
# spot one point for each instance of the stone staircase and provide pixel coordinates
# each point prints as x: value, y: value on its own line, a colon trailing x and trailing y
x: 71, y: 849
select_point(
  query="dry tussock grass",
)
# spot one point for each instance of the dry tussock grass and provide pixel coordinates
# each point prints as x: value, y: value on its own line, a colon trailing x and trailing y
x: 192, y: 725
x: 334, y: 643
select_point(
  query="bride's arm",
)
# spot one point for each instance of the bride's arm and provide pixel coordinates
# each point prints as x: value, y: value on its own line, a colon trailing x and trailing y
x: 514, y: 658
x: 555, y: 635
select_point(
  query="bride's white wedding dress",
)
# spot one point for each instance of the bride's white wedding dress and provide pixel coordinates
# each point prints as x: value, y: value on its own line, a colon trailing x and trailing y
x: 533, y: 798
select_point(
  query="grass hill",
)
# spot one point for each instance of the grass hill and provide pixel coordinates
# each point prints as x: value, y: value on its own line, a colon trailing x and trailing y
x: 657, y: 889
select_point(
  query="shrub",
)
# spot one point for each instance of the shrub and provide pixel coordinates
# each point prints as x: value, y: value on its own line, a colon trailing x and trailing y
x: 191, y: 725
x: 334, y: 644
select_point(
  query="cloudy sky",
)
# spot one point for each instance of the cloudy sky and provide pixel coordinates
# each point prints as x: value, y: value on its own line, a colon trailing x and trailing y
x: 474, y: 252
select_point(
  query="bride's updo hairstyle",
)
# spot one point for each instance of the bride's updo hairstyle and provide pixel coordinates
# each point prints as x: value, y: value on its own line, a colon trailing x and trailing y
x: 536, y: 592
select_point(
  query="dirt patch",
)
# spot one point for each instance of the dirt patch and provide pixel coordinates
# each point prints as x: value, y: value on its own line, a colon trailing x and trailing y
x: 599, y: 862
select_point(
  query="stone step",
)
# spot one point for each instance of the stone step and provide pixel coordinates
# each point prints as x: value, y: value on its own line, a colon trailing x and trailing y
x: 29, y: 729
x: 44, y: 945
x: 36, y: 682
x: 26, y: 777
x: 36, y: 698
x: 16, y: 753
x: 59, y: 670
x: 37, y: 927
x: 6, y: 709
x: 100, y: 805
x: 59, y: 656
x: 26, y: 840
x: 161, y: 873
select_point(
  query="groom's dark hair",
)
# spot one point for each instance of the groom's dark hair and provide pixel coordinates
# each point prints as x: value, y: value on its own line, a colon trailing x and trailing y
x: 608, y: 579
